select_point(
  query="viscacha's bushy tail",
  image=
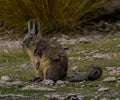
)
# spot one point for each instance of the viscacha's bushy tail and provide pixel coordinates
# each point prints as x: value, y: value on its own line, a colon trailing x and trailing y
x: 93, y: 74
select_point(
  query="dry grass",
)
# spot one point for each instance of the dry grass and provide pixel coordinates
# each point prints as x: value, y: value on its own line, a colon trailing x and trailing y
x: 54, y: 15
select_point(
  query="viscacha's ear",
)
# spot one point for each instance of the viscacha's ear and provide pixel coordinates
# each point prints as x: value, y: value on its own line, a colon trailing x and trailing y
x: 37, y: 28
x: 30, y: 26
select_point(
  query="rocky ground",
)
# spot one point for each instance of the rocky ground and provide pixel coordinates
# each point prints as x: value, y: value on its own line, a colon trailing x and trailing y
x: 111, y: 73
x: 101, y: 49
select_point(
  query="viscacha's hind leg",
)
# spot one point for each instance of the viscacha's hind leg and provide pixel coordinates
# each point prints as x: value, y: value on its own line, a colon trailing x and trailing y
x: 54, y: 74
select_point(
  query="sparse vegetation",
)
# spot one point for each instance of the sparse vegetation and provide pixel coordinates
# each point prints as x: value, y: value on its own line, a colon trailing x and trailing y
x: 16, y: 64
x: 54, y: 15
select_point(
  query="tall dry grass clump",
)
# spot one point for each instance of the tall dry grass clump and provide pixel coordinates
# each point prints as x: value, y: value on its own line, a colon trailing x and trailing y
x: 54, y: 15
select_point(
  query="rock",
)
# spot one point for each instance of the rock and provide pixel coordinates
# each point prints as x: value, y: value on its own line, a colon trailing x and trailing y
x: 110, y: 79
x: 64, y: 40
x: 6, y: 51
x: 65, y: 36
x: 6, y: 78
x: 84, y: 40
x: 60, y: 82
x: 53, y: 96
x: 113, y: 70
x: 18, y: 83
x: 47, y: 82
x: 36, y: 87
x: 104, y: 99
x: 64, y: 96
x: 102, y: 56
x: 23, y: 66
x: 75, y: 96
x: 15, y: 96
x: 11, y: 84
x: 79, y: 58
x: 117, y: 99
x: 103, y: 89
x: 10, y: 44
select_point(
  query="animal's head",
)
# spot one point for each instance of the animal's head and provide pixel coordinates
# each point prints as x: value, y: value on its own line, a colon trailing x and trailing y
x: 33, y: 35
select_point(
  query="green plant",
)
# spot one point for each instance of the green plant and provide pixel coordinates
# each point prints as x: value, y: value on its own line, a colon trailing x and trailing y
x: 54, y: 15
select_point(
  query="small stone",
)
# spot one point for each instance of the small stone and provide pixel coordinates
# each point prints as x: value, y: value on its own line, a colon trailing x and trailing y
x: 82, y: 85
x: 118, y: 82
x: 5, y: 78
x: 80, y: 97
x: 110, y: 79
x: 60, y: 82
x: 53, y: 96
x: 84, y: 40
x: 18, y: 83
x: 104, y: 99
x: 23, y: 65
x: 75, y: 96
x: 79, y: 58
x: 102, y: 56
x: 11, y: 84
x: 117, y: 99
x: 35, y: 87
x: 65, y: 36
x: 5, y: 51
x: 48, y: 82
x: 103, y: 89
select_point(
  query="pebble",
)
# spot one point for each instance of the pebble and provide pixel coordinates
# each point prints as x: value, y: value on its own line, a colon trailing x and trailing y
x: 53, y: 96
x: 117, y: 99
x: 11, y: 84
x: 102, y: 56
x: 75, y: 96
x: 103, y: 89
x: 110, y: 79
x: 84, y: 40
x: 37, y: 87
x: 47, y: 82
x: 5, y: 51
x: 60, y: 82
x: 6, y: 78
x: 104, y: 99
x: 113, y: 70
x: 18, y: 83
x: 64, y: 96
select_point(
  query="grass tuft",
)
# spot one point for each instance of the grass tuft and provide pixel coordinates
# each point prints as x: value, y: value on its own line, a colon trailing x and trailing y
x: 54, y: 15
